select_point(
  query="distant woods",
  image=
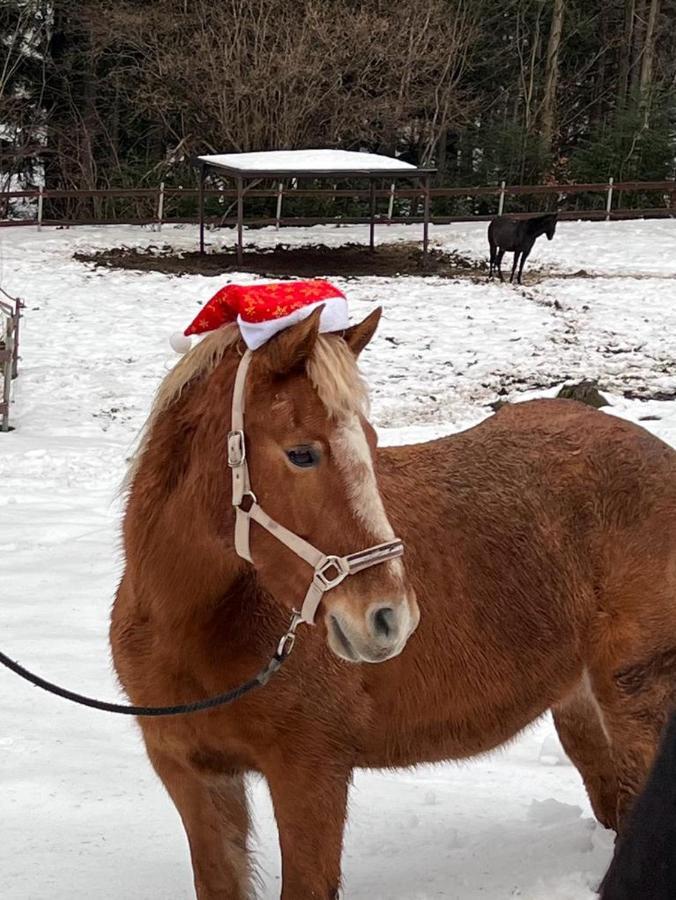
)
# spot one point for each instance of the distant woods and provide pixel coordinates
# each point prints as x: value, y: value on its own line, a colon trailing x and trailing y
x: 115, y: 93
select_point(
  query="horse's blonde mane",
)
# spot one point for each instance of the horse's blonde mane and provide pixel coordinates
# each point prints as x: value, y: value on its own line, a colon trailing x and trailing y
x: 331, y: 368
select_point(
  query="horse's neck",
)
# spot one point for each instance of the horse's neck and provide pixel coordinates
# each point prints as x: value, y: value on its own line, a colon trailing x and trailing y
x: 407, y: 477
x: 178, y: 561
x: 536, y: 227
x: 179, y: 525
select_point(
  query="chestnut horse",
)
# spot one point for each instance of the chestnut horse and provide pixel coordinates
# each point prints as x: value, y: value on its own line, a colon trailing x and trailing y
x: 540, y: 547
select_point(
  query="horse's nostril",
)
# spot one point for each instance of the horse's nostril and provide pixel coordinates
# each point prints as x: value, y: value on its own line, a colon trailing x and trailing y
x: 384, y: 621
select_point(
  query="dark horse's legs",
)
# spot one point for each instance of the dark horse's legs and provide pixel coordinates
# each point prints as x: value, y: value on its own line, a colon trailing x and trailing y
x: 494, y: 254
x: 525, y: 253
x: 498, y: 263
x: 516, y: 259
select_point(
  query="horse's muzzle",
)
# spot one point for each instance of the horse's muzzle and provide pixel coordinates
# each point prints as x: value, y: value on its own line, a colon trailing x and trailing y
x: 380, y: 633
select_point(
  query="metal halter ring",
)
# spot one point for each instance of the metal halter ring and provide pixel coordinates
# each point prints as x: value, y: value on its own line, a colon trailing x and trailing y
x: 324, y: 580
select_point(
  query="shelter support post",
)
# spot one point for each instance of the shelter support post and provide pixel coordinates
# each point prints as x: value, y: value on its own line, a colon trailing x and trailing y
x: 200, y: 201
x: 390, y: 205
x: 240, y: 220
x: 160, y: 206
x: 372, y: 214
x: 280, y: 196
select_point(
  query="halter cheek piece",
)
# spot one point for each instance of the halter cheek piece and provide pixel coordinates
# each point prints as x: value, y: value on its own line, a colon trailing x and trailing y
x: 329, y: 570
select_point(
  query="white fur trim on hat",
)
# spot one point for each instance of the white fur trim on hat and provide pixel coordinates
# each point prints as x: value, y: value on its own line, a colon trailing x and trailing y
x: 334, y: 318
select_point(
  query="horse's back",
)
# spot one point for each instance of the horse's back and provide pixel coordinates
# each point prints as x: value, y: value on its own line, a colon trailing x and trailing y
x: 582, y: 453
x: 589, y: 489
x: 602, y: 488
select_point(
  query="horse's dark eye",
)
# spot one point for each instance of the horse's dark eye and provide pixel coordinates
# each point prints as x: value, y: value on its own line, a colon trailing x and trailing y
x: 303, y: 457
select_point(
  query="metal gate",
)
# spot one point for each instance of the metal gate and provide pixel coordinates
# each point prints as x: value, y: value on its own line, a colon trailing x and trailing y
x: 10, y: 313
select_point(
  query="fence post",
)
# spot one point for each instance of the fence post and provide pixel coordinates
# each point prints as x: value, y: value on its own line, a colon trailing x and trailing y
x: 280, y: 195
x: 390, y: 205
x: 609, y: 197
x: 40, y: 203
x: 19, y: 305
x: 501, y: 199
x: 6, y: 368
x: 160, y: 206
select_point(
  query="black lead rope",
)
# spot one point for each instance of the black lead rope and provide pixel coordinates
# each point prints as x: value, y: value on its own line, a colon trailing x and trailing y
x: 283, y: 650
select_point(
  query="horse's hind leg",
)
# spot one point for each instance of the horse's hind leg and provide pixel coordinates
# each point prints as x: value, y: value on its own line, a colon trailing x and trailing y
x: 494, y: 254
x: 215, y: 816
x: 580, y: 728
x: 498, y: 262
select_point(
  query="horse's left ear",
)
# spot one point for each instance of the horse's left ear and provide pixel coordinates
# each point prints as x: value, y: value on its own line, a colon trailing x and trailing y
x: 358, y: 336
x: 289, y: 349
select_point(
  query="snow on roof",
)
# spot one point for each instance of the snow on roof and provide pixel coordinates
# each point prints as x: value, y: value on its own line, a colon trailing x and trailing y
x: 297, y: 162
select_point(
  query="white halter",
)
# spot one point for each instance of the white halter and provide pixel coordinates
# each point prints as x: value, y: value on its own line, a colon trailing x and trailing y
x: 329, y: 571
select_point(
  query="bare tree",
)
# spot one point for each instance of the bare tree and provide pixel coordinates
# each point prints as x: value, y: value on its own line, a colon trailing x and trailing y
x: 551, y: 73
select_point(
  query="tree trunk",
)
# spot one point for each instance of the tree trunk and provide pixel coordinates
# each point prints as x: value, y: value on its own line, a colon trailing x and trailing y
x: 551, y: 74
x: 600, y: 105
x: 648, y: 58
x: 639, y: 46
x: 625, y: 53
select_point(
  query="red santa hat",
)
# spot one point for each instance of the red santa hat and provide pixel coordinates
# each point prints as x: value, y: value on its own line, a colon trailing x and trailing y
x: 261, y: 310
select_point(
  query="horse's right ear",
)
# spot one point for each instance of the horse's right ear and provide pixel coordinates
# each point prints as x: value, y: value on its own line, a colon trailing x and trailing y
x: 289, y: 348
x: 357, y: 336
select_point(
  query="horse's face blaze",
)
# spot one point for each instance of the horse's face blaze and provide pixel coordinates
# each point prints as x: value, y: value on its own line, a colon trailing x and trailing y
x: 312, y: 470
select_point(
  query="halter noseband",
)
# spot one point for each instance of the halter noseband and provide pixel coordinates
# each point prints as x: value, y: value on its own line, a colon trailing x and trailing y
x: 329, y: 570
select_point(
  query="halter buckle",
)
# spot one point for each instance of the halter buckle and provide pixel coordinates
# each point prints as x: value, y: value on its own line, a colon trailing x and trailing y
x: 285, y: 646
x: 236, y: 449
x: 322, y: 576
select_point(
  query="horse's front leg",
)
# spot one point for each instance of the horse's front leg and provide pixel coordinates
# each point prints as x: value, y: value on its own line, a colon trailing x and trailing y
x: 310, y: 802
x: 216, y: 820
x: 525, y: 253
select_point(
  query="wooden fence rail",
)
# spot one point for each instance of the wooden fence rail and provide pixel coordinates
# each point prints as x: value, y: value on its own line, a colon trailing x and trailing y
x: 151, y: 204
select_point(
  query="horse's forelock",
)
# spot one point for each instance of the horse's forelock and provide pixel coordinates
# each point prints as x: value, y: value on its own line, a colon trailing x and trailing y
x: 332, y: 369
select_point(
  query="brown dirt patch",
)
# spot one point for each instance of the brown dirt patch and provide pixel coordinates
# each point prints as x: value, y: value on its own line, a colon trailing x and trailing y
x: 284, y: 261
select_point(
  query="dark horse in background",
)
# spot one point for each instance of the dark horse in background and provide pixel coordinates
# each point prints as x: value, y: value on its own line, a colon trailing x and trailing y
x: 644, y: 865
x: 517, y: 235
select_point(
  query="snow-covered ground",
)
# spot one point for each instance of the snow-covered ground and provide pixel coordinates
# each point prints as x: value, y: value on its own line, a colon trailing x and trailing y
x: 81, y: 813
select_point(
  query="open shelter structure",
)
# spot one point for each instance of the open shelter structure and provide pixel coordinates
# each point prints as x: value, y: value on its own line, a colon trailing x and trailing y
x: 297, y: 164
